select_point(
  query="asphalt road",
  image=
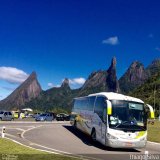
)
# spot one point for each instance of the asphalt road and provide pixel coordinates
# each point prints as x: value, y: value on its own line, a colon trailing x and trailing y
x: 62, y: 138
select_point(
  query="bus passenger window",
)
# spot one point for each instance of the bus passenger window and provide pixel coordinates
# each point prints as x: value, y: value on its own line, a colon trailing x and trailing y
x: 100, y: 105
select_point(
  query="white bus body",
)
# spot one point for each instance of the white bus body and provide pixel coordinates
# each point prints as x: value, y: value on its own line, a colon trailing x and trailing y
x: 113, y: 119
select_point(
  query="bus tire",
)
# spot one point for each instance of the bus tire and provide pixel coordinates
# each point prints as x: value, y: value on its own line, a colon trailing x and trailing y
x: 93, y: 135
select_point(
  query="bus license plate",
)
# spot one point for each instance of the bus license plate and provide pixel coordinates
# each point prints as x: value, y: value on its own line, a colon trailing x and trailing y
x: 128, y: 144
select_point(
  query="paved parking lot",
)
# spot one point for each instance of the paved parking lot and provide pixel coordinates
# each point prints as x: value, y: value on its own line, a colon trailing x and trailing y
x: 60, y: 137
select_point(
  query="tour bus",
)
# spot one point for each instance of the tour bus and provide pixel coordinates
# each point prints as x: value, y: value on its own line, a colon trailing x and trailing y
x: 113, y: 119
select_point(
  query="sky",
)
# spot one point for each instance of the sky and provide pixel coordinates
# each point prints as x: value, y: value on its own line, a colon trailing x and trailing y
x: 72, y: 38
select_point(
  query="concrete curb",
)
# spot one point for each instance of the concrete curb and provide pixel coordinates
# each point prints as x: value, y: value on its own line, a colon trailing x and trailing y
x: 153, y: 143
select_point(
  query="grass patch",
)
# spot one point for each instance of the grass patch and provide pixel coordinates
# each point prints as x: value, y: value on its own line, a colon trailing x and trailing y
x: 154, y: 132
x: 18, y: 152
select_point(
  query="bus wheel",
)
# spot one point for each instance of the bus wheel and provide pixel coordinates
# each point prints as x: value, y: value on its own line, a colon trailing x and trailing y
x: 93, y: 135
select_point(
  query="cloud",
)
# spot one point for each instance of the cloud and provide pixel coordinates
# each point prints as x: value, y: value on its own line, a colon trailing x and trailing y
x: 12, y: 75
x: 50, y: 85
x: 77, y: 81
x: 111, y: 41
x: 158, y: 49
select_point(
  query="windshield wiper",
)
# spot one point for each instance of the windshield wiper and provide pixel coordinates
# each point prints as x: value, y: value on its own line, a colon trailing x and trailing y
x: 129, y: 123
x: 124, y: 122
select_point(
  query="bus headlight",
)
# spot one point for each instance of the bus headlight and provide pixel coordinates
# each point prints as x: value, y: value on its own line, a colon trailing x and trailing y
x: 144, y: 138
x: 111, y: 136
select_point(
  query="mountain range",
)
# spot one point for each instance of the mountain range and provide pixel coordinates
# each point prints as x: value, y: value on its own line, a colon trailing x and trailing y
x: 30, y: 94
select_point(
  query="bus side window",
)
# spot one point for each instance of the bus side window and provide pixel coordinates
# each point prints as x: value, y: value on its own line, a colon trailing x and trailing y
x: 91, y: 103
x: 100, y: 105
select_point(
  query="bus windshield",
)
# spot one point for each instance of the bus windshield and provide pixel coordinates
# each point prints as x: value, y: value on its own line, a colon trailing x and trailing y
x: 127, y: 116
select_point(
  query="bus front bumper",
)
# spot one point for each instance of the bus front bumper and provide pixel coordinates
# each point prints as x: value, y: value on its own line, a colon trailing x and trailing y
x: 116, y: 143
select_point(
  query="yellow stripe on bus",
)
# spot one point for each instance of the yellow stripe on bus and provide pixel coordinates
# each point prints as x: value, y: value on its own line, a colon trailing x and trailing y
x: 152, y: 115
x: 109, y: 110
x: 140, y: 134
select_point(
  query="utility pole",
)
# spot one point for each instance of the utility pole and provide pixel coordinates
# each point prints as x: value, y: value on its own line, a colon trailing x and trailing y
x: 154, y: 98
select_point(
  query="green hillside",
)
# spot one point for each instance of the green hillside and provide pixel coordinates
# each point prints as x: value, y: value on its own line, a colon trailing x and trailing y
x: 149, y: 92
x: 59, y: 99
x: 55, y: 99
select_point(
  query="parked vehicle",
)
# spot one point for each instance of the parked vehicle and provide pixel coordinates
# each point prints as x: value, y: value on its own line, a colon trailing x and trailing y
x: 28, y: 115
x: 45, y: 117
x: 35, y: 115
x: 6, y: 116
x: 62, y: 117
x: 17, y: 114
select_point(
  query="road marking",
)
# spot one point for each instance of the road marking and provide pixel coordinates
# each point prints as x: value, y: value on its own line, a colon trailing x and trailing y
x: 47, y: 149
x: 7, y: 134
x: 15, y: 128
x: 29, y: 146
x: 34, y: 127
x: 22, y: 135
x: 77, y: 157
x: 20, y: 129
x: 55, y: 150
x: 146, y: 155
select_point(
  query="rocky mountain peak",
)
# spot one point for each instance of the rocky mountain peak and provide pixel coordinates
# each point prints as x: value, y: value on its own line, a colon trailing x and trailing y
x: 99, y: 81
x: 28, y: 90
x: 133, y: 77
x: 33, y: 75
x: 95, y: 79
x: 153, y: 68
x: 65, y: 83
x: 156, y: 62
x: 111, y: 79
x: 136, y: 64
x: 113, y: 62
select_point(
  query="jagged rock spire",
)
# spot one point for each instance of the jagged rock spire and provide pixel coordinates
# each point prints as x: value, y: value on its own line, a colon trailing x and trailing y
x: 65, y: 83
x: 113, y: 62
x: 103, y: 80
x: 112, y: 84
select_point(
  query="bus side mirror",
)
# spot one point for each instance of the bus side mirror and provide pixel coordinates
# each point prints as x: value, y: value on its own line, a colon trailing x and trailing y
x: 151, y: 110
x: 109, y: 107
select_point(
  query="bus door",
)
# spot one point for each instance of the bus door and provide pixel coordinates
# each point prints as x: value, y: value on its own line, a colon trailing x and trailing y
x: 100, y: 110
x: 103, y: 133
x: 104, y: 125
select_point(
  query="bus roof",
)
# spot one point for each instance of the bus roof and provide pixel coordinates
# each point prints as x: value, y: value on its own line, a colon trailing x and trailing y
x: 116, y: 96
